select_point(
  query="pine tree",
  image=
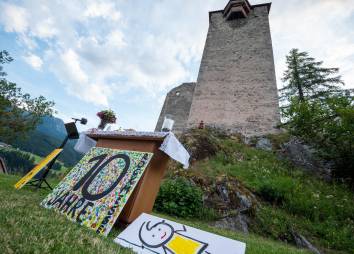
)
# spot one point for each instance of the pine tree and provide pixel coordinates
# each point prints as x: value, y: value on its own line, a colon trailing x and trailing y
x: 305, y: 79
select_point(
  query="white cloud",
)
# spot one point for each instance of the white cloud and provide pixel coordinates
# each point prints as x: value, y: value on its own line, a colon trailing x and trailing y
x: 321, y: 28
x: 69, y: 70
x: 14, y: 18
x: 34, y: 61
x: 105, y: 10
x: 70, y: 62
x: 95, y: 47
x: 45, y: 29
x: 27, y: 41
x: 116, y: 39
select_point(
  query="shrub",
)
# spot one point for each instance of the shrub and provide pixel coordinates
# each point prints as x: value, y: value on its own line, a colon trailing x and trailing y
x: 180, y: 198
x: 327, y: 126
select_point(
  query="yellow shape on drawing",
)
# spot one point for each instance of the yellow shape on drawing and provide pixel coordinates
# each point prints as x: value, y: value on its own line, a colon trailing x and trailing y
x: 37, y: 168
x: 183, y: 245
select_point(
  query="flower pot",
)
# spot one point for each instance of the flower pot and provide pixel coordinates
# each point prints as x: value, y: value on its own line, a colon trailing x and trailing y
x: 102, y: 124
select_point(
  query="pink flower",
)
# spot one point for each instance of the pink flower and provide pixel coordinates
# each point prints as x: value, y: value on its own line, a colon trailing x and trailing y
x: 107, y: 116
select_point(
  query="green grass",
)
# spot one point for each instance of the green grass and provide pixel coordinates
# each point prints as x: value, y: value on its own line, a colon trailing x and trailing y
x: 38, y: 159
x: 323, y: 212
x: 28, y: 228
x: 254, y: 244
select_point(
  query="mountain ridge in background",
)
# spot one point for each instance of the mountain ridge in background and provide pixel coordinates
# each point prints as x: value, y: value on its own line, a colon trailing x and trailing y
x: 48, y: 135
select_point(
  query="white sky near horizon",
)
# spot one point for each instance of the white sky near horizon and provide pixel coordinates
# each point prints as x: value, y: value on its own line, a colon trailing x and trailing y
x: 126, y: 55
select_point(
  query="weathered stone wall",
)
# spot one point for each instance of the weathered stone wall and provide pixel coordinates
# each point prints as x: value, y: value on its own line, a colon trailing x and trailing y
x: 236, y: 88
x: 177, y: 104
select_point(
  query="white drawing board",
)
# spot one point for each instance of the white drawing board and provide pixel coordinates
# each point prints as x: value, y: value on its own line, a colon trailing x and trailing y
x: 150, y: 234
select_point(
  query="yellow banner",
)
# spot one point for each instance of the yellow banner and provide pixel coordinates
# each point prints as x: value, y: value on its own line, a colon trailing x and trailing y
x: 37, y: 168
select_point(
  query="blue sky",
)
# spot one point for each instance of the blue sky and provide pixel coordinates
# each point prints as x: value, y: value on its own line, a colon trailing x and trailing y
x: 126, y: 55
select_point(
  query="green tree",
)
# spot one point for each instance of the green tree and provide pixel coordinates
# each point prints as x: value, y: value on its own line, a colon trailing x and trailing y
x: 328, y: 126
x: 4, y: 58
x: 306, y: 79
x: 19, y: 112
x: 319, y: 111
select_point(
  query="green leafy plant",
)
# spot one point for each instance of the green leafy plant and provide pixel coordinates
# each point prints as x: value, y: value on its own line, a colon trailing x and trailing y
x: 180, y: 198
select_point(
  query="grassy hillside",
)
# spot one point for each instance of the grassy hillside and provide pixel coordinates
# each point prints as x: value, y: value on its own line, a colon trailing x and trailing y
x: 28, y: 228
x: 20, y: 162
x: 289, y: 198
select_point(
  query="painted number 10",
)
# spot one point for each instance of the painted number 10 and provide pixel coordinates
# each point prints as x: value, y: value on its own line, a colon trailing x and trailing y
x: 86, y: 181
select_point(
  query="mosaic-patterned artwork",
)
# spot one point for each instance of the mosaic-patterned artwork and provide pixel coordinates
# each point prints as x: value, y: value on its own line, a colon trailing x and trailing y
x: 97, y: 188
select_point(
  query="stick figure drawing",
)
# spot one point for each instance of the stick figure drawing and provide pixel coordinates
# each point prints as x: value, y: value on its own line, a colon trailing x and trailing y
x: 171, y: 240
x: 150, y: 234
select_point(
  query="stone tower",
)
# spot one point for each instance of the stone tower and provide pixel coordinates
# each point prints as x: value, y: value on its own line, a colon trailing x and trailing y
x: 177, y: 104
x: 236, y: 86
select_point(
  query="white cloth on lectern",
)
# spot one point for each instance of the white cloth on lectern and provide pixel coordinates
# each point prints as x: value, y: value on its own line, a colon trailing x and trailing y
x: 84, y: 144
x: 173, y: 148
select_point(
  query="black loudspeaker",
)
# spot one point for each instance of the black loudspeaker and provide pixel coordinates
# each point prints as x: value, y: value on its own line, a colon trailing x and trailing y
x: 83, y: 121
x: 71, y: 130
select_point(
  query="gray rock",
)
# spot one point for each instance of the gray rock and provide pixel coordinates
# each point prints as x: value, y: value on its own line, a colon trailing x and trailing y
x: 233, y: 201
x: 237, y: 222
x: 302, y: 242
x: 227, y: 195
x: 264, y: 144
x: 304, y: 156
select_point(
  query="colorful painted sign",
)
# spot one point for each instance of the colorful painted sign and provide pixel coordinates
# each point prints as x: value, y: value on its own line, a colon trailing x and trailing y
x: 97, y: 188
x: 149, y: 234
x: 37, y: 168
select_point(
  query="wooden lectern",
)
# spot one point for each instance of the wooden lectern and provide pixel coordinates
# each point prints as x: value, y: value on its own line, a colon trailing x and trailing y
x: 143, y: 197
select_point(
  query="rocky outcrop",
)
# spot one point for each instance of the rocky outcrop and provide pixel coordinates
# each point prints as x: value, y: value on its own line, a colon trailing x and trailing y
x: 264, y: 144
x: 233, y: 202
x: 296, y: 151
x: 238, y: 222
x: 202, y: 143
x: 302, y: 242
x: 305, y: 157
